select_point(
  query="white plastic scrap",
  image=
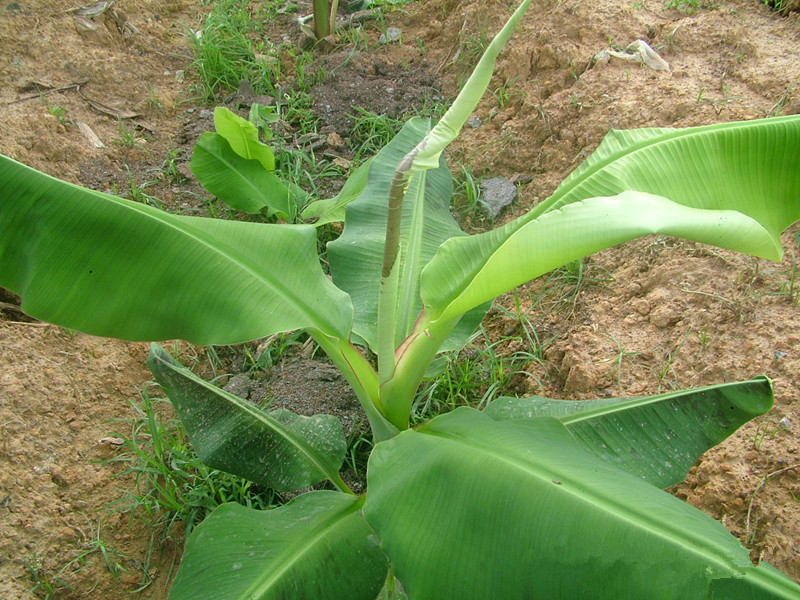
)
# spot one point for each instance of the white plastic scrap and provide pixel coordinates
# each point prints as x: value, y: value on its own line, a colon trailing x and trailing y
x: 639, y: 51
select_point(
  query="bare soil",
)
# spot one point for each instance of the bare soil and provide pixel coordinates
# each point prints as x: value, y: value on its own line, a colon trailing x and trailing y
x: 653, y: 315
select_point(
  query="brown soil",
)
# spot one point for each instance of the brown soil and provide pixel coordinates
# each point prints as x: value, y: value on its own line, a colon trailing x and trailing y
x: 667, y: 314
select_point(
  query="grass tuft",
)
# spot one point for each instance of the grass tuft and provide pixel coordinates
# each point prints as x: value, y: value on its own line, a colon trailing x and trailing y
x: 171, y: 484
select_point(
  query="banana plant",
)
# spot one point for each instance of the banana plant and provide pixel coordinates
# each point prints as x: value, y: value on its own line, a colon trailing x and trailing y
x: 235, y: 166
x: 532, y: 498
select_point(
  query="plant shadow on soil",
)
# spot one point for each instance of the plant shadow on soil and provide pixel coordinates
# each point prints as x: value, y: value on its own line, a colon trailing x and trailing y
x: 653, y: 315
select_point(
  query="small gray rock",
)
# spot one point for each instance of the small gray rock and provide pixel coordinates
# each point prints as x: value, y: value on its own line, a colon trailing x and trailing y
x: 393, y: 34
x: 474, y: 121
x: 496, y: 194
x: 238, y: 385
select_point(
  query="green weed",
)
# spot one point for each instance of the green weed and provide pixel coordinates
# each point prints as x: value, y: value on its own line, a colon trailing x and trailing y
x: 49, y: 585
x: 526, y: 328
x: 621, y: 355
x: 690, y: 6
x: 768, y: 429
x: 781, y: 103
x: 128, y: 136
x: 295, y: 109
x: 271, y: 351
x: 153, y: 103
x: 750, y: 521
x: 561, y: 289
x: 171, y: 484
x: 466, y: 192
x: 302, y: 167
x: 666, y: 374
x: 779, y: 6
x: 137, y: 192
x: 225, y: 54
x: 305, y: 76
x: 59, y: 112
x: 421, y: 46
x: 169, y: 167
x: 45, y: 583
x: 785, y: 282
x: 507, y: 92
x: 359, y: 447
x: 475, y: 376
x: 371, y: 132
x: 433, y: 107
x: 354, y: 38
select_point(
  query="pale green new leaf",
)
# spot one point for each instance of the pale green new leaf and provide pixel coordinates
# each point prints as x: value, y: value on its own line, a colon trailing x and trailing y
x: 276, y: 449
x: 242, y: 135
x: 487, y: 265
x: 108, y: 266
x: 243, y: 183
x: 471, y: 508
x: 657, y: 438
x: 317, y: 546
x: 450, y: 125
x: 733, y: 185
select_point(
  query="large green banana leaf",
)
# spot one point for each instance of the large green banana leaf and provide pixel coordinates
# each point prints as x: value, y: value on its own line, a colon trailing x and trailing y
x: 112, y: 267
x: 356, y: 256
x: 317, y: 546
x: 278, y: 449
x: 747, y: 166
x: 734, y: 185
x: 657, y: 438
x: 471, y: 508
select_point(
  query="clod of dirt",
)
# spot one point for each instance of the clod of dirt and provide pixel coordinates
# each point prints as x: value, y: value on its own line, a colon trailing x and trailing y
x: 496, y: 194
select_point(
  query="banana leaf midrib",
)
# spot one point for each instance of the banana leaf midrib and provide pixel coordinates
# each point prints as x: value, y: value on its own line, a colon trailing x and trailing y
x: 231, y: 168
x: 296, y: 552
x: 623, y: 405
x: 411, y: 262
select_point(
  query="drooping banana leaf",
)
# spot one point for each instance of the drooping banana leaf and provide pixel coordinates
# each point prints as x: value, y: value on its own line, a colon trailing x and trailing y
x: 317, y: 546
x: 108, y: 266
x: 657, y: 438
x: 734, y: 185
x: 467, y: 507
x: 277, y: 449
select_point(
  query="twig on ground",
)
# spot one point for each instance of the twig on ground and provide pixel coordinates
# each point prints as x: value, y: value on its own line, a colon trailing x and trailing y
x: 764, y: 481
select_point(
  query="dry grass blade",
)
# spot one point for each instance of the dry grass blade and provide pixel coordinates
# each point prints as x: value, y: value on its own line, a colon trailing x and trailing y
x: 763, y: 482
